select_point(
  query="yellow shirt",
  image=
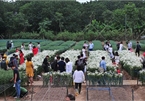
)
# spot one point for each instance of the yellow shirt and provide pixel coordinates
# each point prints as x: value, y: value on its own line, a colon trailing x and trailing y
x: 29, y: 69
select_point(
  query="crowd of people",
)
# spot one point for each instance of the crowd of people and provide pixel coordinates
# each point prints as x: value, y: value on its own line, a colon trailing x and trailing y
x: 62, y: 64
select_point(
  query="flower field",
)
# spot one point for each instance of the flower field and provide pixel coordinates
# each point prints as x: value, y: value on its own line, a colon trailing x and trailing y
x: 130, y: 62
x: 70, y: 49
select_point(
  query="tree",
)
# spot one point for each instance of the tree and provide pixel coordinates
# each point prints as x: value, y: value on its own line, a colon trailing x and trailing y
x: 59, y: 18
x: 43, y: 27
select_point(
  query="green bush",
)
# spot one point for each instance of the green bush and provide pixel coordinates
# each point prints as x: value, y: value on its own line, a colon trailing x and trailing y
x: 6, y: 76
x: 97, y: 45
x: 26, y: 35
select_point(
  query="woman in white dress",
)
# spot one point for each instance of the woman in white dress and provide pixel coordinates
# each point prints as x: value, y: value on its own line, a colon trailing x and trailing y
x: 22, y: 46
x: 121, y: 46
x: 117, y: 58
x: 30, y: 46
x: 84, y: 52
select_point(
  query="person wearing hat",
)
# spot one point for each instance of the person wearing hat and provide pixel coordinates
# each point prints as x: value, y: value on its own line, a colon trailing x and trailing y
x: 143, y: 60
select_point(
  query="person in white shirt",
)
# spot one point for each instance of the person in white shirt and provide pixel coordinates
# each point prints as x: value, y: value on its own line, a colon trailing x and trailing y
x: 105, y: 46
x: 85, y: 45
x: 38, y: 46
x: 84, y: 52
x: 30, y: 46
x: 121, y: 46
x: 12, y: 44
x: 69, y: 66
x: 117, y: 59
x: 78, y: 78
x: 91, y: 46
x: 129, y: 45
x: 22, y: 46
x: 110, y: 50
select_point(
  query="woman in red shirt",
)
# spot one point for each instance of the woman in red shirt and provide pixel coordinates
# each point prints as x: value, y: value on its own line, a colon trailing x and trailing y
x: 35, y: 50
x: 21, y: 55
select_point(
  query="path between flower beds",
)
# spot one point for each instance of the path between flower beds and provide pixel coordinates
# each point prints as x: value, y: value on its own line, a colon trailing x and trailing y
x: 59, y: 93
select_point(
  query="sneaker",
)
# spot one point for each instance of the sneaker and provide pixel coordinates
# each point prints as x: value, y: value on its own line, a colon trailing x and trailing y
x: 76, y: 94
x: 14, y: 85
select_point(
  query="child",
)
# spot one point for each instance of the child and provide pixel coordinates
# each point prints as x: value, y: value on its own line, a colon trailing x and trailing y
x: 118, y: 70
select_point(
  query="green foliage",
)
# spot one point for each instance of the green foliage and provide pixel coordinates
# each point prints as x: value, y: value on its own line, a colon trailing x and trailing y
x: 97, y: 45
x: 39, y: 70
x: 78, y: 45
x: 29, y: 55
x: 6, y: 76
x: 26, y: 35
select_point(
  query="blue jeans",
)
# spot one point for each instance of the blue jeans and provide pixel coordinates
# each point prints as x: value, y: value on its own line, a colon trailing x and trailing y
x: 17, y: 87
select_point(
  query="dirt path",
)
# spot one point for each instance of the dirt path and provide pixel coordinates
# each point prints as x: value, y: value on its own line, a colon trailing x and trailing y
x: 82, y: 96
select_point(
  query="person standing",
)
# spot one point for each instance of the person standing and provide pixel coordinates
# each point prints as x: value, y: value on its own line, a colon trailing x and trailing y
x: 15, y: 61
x: 91, y: 46
x: 21, y: 55
x: 35, y: 50
x: 8, y: 45
x: 69, y: 66
x: 121, y: 46
x: 138, y: 48
x: 29, y: 70
x: 38, y: 46
x: 117, y: 59
x: 78, y: 78
x: 61, y: 65
x: 85, y: 45
x: 54, y: 64
x: 16, y: 80
x: 106, y: 46
x: 45, y: 64
x: 12, y: 44
x: 129, y: 45
x: 110, y: 51
x: 143, y: 60
x: 103, y: 64
x: 22, y: 46
x: 117, y: 45
x: 84, y: 52
x: 30, y: 46
x: 3, y: 63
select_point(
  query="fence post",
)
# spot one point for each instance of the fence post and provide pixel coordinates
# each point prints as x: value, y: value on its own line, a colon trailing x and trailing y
x: 132, y: 95
x: 87, y: 95
x: 5, y: 94
x: 32, y: 93
x: 137, y: 78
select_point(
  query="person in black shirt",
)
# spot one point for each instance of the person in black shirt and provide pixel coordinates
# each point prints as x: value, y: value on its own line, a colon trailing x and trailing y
x: 46, y: 64
x: 61, y: 65
x: 54, y: 64
x: 138, y: 47
x: 16, y: 80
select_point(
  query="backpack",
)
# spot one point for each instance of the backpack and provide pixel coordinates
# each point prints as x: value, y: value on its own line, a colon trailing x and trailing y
x: 3, y: 64
x: 10, y: 64
x: 80, y: 63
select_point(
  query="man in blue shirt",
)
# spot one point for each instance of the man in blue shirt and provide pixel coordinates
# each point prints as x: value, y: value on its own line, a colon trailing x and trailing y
x: 103, y: 69
x: 91, y: 46
x: 103, y: 63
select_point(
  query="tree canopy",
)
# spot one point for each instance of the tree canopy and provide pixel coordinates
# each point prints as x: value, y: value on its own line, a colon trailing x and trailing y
x: 93, y: 20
